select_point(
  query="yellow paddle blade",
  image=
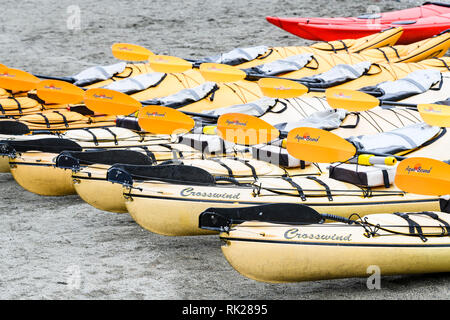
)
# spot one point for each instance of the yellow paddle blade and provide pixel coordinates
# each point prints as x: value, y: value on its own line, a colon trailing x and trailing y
x: 281, y: 88
x: 350, y: 100
x: 164, y: 120
x: 435, y: 114
x: 56, y: 91
x: 423, y: 176
x: 217, y: 72
x: 17, y: 80
x: 130, y: 52
x: 105, y: 101
x: 169, y: 64
x: 245, y: 129
x: 317, y: 145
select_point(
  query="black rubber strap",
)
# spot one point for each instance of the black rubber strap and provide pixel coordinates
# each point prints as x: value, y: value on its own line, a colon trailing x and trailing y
x: 413, y: 226
x: 443, y: 61
x: 1, y: 109
x: 352, y: 126
x: 384, y: 54
x: 252, y: 168
x: 317, y: 64
x: 230, y: 172
x: 63, y: 117
x: 396, y: 51
x: 124, y: 76
x: 94, y: 137
x: 113, y: 134
x: 436, y: 217
x: 332, y: 47
x: 386, y: 178
x: 213, y: 93
x: 323, y: 184
x: 345, y: 46
x: 279, y: 111
x: 47, y: 123
x: 296, y: 186
x: 177, y: 152
x: 19, y: 106
x: 263, y: 56
x: 148, y: 153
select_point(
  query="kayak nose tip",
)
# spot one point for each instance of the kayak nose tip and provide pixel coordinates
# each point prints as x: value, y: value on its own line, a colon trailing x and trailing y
x: 274, y: 20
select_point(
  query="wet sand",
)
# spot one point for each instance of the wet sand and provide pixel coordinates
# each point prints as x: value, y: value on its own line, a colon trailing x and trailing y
x: 62, y: 248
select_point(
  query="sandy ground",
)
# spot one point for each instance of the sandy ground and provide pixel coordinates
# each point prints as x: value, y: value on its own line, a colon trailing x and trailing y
x: 60, y: 247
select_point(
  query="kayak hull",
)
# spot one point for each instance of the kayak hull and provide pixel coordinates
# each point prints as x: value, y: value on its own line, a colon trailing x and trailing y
x: 289, y: 253
x: 418, y: 23
x: 411, y: 33
x: 42, y: 178
x: 100, y: 193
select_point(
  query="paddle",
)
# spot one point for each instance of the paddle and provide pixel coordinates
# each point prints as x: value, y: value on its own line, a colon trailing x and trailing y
x: 281, y: 88
x: 435, y: 114
x: 353, y: 100
x: 106, y: 101
x: 169, y: 64
x: 217, y: 72
x: 245, y: 129
x: 164, y: 120
x: 316, y: 145
x: 423, y: 176
x: 61, y: 92
x: 130, y: 52
x: 17, y: 80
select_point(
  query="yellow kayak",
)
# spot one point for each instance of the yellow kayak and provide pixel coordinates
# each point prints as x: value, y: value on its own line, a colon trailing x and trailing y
x: 388, y: 244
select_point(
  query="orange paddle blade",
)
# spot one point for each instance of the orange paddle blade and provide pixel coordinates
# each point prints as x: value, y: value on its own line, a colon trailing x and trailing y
x: 17, y: 80
x: 350, y: 100
x: 164, y: 120
x: 317, y: 145
x: 169, y: 64
x: 281, y: 88
x: 423, y: 176
x: 3, y: 68
x: 56, y: 91
x: 435, y: 114
x: 130, y: 52
x: 217, y: 72
x: 105, y: 101
x: 245, y: 129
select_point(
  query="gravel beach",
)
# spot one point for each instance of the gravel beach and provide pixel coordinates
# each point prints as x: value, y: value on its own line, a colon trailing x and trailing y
x: 62, y: 248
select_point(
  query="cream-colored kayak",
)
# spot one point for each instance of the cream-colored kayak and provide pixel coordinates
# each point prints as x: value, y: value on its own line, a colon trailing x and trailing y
x: 386, y: 243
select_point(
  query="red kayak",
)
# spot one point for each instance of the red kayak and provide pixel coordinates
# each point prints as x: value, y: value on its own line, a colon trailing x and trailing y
x: 418, y: 23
